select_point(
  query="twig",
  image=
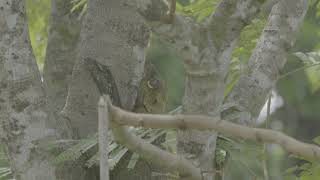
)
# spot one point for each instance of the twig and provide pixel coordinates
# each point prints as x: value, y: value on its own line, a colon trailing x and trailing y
x: 298, y: 69
x: 264, y: 151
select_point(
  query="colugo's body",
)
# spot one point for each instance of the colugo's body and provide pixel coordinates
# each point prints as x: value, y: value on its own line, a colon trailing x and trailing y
x: 152, y: 96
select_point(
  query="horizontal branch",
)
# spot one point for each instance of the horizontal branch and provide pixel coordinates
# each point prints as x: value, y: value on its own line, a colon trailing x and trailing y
x: 308, y: 151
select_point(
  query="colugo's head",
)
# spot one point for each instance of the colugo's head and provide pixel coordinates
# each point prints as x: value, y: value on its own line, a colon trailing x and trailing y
x: 155, y: 96
x: 153, y: 90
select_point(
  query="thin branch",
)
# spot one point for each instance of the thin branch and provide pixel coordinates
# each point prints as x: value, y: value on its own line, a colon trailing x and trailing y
x: 308, y: 151
x: 264, y: 151
x: 173, y: 163
x: 297, y: 70
x: 103, y: 138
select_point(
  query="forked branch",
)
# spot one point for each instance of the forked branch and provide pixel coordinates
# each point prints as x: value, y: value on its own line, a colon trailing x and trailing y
x: 171, y: 162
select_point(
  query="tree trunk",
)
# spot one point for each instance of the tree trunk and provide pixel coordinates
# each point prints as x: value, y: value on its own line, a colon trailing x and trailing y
x: 114, y: 35
x: 25, y: 123
x: 64, y: 30
x: 207, y: 60
x: 244, y: 103
x: 23, y: 107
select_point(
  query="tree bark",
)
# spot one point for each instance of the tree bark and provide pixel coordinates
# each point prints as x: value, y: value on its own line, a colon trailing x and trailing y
x: 24, y: 122
x: 206, y: 49
x: 64, y: 30
x: 244, y: 103
x: 113, y: 34
x: 206, y: 65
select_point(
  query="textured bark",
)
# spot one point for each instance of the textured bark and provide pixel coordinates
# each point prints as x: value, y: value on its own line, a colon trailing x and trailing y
x: 25, y: 125
x: 249, y: 95
x: 206, y: 66
x: 206, y: 49
x: 63, y: 37
x: 23, y: 109
x: 64, y: 30
x: 114, y: 35
x: 104, y: 80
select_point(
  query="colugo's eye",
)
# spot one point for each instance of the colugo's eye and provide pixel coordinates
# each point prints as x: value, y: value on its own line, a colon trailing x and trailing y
x: 154, y: 101
x: 154, y: 83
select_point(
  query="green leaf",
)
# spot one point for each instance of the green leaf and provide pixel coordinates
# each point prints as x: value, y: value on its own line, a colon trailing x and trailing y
x: 317, y: 140
x: 78, y: 5
x: 133, y: 161
x: 308, y: 58
x: 199, y: 9
x: 5, y: 173
x: 75, y: 152
x: 115, y: 159
x: 313, y: 75
x: 38, y: 12
x: 291, y: 170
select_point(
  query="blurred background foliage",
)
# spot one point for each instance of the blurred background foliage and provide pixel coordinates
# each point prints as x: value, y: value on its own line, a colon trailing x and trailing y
x: 38, y: 12
x: 298, y: 86
x: 5, y: 172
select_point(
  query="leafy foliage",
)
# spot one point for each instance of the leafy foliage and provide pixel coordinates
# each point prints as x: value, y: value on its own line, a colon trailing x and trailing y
x: 233, y: 75
x: 5, y: 171
x: 247, y: 42
x: 244, y: 158
x: 86, y: 150
x: 199, y: 9
x: 74, y: 152
x: 305, y: 171
x: 311, y: 66
x: 79, y: 6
